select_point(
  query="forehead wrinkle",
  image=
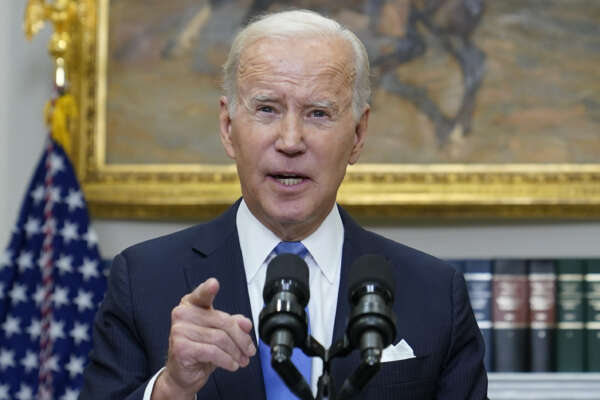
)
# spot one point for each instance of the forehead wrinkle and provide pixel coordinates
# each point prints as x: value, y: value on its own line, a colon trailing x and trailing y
x: 323, y: 76
x: 260, y: 58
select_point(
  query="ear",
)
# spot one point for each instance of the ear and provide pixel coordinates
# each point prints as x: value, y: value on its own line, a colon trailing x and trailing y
x: 360, y: 134
x: 225, y: 122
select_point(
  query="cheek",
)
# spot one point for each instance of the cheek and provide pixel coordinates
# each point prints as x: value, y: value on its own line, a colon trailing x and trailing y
x: 250, y: 156
x: 340, y: 150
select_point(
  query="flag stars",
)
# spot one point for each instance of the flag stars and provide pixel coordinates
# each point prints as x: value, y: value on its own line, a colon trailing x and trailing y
x: 70, y: 394
x: 38, y: 193
x: 5, y: 259
x: 91, y: 238
x: 34, y: 329
x: 25, y: 261
x: 4, y: 392
x: 89, y: 269
x: 53, y: 233
x: 57, y: 330
x: 54, y: 194
x: 24, y: 393
x: 30, y: 361
x: 56, y: 163
x: 11, y: 326
x: 32, y: 226
x: 51, y: 364
x: 69, y: 231
x: 44, y: 259
x: 7, y: 359
x: 38, y: 296
x: 60, y: 297
x: 79, y: 333
x: 74, y: 200
x: 83, y: 300
x: 75, y: 366
x: 18, y: 294
x: 64, y: 264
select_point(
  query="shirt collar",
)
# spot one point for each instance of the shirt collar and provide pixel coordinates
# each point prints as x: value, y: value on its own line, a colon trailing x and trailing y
x: 257, y: 242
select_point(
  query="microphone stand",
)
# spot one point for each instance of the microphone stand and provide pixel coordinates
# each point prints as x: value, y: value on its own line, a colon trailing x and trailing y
x: 368, y: 367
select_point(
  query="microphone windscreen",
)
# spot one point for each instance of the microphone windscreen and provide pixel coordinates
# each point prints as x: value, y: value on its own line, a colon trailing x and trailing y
x: 372, y: 268
x: 287, y: 266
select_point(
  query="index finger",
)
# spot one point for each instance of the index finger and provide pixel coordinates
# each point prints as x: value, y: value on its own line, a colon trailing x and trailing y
x: 204, y: 294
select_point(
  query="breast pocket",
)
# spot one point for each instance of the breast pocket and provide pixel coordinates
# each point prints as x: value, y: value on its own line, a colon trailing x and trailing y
x: 413, y: 379
x: 409, y: 370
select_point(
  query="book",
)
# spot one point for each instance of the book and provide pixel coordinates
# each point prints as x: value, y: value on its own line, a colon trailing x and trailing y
x: 510, y: 316
x: 592, y: 314
x: 478, y: 275
x: 570, y: 344
x: 542, y: 316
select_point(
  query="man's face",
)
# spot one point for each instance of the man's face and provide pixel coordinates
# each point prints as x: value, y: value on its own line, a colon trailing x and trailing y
x: 293, y: 131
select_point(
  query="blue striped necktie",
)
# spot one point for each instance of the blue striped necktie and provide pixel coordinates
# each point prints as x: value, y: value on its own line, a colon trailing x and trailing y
x: 275, y: 388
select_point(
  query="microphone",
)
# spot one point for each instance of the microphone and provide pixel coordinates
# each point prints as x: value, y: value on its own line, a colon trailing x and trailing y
x: 283, y: 323
x: 372, y: 322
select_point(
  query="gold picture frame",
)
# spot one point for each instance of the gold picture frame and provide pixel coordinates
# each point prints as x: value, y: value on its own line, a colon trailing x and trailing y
x: 382, y: 190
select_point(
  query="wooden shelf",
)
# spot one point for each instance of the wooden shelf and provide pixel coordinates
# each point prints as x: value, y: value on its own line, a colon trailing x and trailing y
x: 544, y: 386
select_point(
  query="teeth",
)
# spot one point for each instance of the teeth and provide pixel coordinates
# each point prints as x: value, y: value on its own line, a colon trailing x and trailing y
x: 290, y: 181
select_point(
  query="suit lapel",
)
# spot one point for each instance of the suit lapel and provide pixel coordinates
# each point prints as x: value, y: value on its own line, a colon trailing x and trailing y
x: 219, y: 256
x: 341, y: 368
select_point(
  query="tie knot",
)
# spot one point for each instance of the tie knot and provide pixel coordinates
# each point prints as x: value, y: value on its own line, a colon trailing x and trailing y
x: 296, y: 248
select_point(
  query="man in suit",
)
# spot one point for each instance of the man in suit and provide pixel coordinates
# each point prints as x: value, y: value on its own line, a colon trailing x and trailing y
x: 180, y: 316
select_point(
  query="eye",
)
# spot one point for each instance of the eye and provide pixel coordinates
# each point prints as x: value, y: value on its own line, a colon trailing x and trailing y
x: 318, y: 113
x: 266, y: 109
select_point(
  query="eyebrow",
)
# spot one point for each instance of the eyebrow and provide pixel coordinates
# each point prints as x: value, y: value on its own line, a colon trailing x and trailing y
x: 263, y: 98
x: 324, y: 104
x: 270, y: 98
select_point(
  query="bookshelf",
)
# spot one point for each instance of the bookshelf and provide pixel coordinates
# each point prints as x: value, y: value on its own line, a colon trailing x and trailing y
x: 544, y: 386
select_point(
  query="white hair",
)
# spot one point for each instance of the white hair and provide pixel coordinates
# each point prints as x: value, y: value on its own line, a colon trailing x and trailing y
x: 293, y: 24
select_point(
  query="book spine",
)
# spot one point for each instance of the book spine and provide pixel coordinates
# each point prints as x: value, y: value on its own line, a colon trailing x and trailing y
x: 592, y: 325
x: 570, y: 345
x: 478, y: 275
x: 542, y: 302
x: 510, y: 315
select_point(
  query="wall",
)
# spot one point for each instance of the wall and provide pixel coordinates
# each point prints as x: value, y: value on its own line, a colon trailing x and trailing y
x: 25, y: 84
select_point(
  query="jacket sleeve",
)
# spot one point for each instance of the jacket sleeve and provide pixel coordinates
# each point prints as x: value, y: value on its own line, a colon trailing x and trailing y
x: 463, y: 374
x: 118, y: 367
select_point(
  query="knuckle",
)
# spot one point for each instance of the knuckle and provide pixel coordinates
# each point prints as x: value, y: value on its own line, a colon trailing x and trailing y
x: 228, y: 323
x: 210, y: 351
x: 177, y: 312
x: 219, y: 338
x: 178, y: 336
x: 178, y: 349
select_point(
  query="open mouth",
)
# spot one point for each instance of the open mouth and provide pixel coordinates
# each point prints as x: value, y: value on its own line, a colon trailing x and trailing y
x: 289, y: 180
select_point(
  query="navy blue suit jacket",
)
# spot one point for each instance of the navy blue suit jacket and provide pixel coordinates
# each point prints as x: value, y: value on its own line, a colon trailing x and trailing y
x: 146, y: 281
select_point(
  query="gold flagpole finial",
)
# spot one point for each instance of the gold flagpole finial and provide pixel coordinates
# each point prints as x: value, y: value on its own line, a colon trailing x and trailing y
x: 63, y: 15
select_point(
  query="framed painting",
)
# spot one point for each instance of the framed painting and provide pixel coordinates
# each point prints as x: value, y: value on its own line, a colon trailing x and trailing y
x: 479, y: 108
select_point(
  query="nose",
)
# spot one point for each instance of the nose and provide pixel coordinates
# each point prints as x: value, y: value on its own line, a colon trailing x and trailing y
x: 291, y: 136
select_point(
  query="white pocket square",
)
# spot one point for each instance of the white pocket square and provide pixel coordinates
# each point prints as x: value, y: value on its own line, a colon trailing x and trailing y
x: 400, y: 351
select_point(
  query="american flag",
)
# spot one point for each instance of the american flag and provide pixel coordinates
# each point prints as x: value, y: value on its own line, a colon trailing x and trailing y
x: 51, y: 282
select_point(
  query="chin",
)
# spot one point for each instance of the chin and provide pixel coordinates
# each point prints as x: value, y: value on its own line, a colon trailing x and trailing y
x: 289, y: 213
x: 292, y: 216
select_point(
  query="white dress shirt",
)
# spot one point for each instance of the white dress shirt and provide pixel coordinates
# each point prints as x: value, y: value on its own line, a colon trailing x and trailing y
x: 324, y: 262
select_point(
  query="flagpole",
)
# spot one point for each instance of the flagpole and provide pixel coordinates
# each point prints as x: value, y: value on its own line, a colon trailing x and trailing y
x: 51, y: 273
